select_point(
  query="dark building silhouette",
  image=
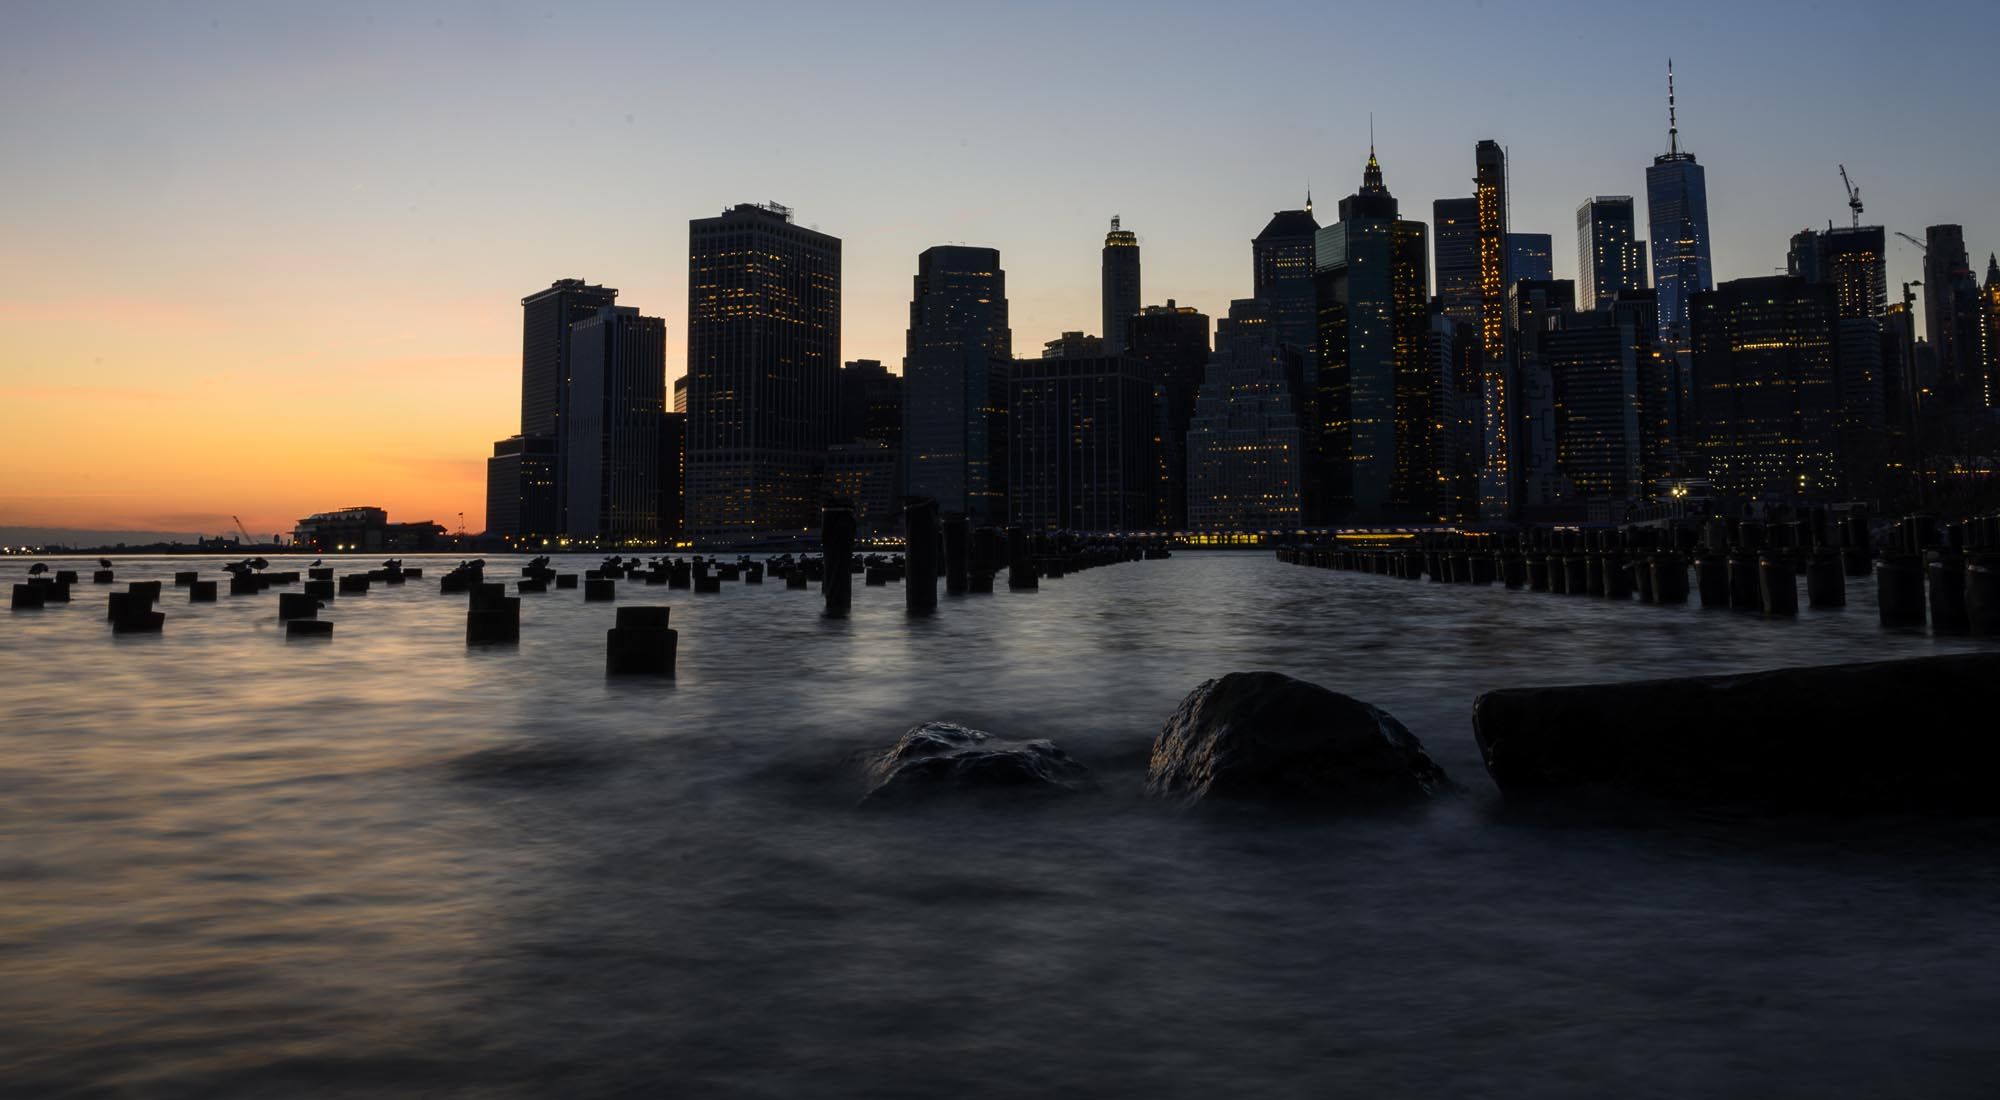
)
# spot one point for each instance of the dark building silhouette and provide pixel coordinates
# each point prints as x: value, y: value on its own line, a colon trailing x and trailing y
x: 526, y: 498
x: 1530, y: 256
x: 681, y: 395
x: 1500, y: 467
x: 1455, y: 223
x: 673, y: 476
x: 1989, y: 297
x: 1170, y: 343
x: 763, y: 363
x: 1080, y: 453
x: 957, y: 353
x: 611, y: 454
x: 1282, y: 259
x: 546, y: 317
x: 871, y: 404
x: 1121, y: 287
x: 1607, y: 378
x: 1766, y: 393
x: 1374, y: 399
x: 1853, y: 263
x: 1610, y: 259
x: 1246, y: 450
x: 363, y: 529
x: 1536, y: 308
x: 521, y: 487
x: 1951, y: 311
x: 1074, y: 345
x: 1677, y: 209
x: 865, y: 474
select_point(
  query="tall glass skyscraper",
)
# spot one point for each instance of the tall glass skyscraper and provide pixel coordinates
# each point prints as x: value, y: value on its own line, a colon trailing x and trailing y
x: 1608, y: 258
x: 1677, y: 209
x: 1121, y: 286
x: 1499, y: 472
x: 1374, y: 399
x: 1282, y: 266
x: 1455, y: 223
x: 955, y: 363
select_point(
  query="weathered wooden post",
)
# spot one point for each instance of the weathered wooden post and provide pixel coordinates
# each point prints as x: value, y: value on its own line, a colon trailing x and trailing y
x: 491, y: 615
x: 836, y: 536
x: 1947, y: 593
x: 1777, y: 583
x: 1899, y: 590
x: 641, y: 643
x: 1826, y: 580
x: 920, y: 521
x: 1021, y: 575
x: 957, y: 542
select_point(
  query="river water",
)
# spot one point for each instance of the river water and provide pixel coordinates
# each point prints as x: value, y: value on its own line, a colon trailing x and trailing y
x: 386, y: 864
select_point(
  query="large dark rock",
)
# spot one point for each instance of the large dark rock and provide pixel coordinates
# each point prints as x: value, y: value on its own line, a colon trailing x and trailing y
x: 1265, y: 737
x: 940, y: 758
x: 1906, y: 735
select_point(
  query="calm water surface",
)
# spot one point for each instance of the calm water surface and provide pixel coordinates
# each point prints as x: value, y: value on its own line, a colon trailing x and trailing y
x: 387, y: 864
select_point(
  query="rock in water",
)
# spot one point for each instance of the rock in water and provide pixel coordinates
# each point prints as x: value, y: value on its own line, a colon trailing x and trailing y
x: 939, y: 758
x: 1265, y: 737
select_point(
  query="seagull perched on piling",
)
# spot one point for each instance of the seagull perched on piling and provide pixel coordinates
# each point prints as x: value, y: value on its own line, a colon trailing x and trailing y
x: 38, y: 569
x: 104, y: 563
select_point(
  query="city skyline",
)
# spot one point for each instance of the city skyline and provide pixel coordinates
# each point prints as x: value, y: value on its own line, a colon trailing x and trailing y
x: 291, y: 393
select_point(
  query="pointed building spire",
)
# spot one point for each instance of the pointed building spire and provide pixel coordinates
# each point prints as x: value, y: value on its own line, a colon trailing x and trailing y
x: 1673, y: 120
x: 1309, y: 195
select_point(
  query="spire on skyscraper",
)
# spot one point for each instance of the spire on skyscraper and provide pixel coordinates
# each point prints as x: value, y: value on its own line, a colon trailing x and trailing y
x: 1673, y: 119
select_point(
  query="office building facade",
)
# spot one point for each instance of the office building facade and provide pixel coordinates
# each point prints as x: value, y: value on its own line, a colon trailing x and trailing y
x: 611, y: 444
x: 1080, y: 450
x: 1121, y: 294
x: 1609, y: 255
x: 763, y: 363
x: 955, y: 363
x: 1245, y: 447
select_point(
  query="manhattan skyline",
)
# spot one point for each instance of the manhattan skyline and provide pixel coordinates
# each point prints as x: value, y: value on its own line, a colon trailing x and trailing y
x: 266, y: 262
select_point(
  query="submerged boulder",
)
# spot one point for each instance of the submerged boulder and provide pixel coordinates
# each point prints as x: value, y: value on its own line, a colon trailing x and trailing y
x: 939, y: 758
x: 1265, y: 737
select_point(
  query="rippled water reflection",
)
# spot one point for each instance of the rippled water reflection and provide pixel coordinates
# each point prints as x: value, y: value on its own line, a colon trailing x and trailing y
x: 232, y: 865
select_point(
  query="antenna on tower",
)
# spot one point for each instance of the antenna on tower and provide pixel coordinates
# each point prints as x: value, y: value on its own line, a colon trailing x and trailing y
x: 1673, y: 121
x: 1371, y: 135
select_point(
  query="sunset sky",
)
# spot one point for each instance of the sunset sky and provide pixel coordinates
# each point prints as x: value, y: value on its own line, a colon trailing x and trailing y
x: 266, y: 259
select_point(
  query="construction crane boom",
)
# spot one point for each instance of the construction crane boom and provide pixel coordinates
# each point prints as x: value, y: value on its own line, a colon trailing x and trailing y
x: 242, y: 530
x: 1913, y: 240
x: 1853, y: 196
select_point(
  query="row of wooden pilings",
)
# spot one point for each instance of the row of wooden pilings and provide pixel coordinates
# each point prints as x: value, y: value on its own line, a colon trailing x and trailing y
x: 1946, y: 574
x: 972, y: 558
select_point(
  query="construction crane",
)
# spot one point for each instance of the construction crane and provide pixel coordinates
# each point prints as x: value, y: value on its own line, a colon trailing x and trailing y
x: 242, y: 530
x: 1853, y: 196
x: 1913, y: 240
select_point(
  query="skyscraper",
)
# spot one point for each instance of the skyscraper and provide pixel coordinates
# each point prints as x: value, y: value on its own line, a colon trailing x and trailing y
x: 1989, y: 299
x: 611, y: 444
x: 1121, y: 286
x: 1677, y: 209
x: 1282, y: 266
x: 1244, y: 446
x: 673, y: 475
x: 1170, y: 343
x: 1080, y: 450
x: 1608, y: 256
x: 1498, y: 493
x: 1951, y: 295
x: 1374, y: 401
x: 870, y: 404
x: 521, y: 487
x: 526, y: 492
x: 1456, y: 224
x: 1531, y: 256
x: 1767, y: 403
x: 763, y: 359
x: 955, y: 365
x: 546, y: 317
